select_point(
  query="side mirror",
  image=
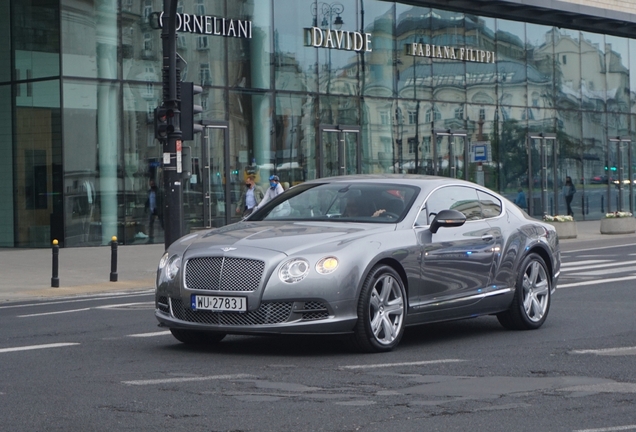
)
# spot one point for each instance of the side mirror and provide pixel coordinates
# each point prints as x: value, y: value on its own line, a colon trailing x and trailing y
x: 447, y: 218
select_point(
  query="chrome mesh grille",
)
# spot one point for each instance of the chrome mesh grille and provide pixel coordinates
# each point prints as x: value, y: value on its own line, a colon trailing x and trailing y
x: 223, y: 274
x: 314, y: 311
x: 267, y: 313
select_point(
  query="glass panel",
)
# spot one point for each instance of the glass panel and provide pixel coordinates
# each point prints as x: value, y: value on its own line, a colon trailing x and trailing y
x: 617, y: 75
x: 213, y: 182
x: 295, y: 138
x: 449, y: 75
x: 414, y: 74
x: 511, y: 62
x: 567, y: 68
x: 376, y: 140
x: 35, y: 36
x: 593, y: 86
x: 378, y: 18
x: 540, y: 66
x: 339, y: 110
x: 7, y: 168
x: 338, y: 69
x: 5, y: 50
x: 249, y: 60
x: 294, y: 63
x: 623, y: 175
x: 351, y: 153
x: 592, y: 136
x: 330, y: 163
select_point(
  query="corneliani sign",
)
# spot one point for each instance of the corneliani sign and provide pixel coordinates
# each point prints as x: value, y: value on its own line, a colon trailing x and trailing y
x: 448, y: 52
x: 211, y: 25
x: 338, y: 39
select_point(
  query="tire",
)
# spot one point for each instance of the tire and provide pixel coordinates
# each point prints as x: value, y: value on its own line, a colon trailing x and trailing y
x: 531, y: 302
x: 381, y: 311
x: 193, y: 337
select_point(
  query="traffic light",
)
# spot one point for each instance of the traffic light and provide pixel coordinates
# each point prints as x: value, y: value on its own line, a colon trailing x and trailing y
x: 189, y: 109
x: 164, y: 124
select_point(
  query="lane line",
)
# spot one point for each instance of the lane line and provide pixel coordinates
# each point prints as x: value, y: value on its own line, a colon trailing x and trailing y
x: 187, y: 379
x: 598, y: 248
x: 36, y: 347
x: 385, y: 365
x: 53, y: 313
x: 614, y: 263
x: 113, y: 306
x: 608, y: 271
x: 608, y: 429
x: 587, y: 262
x: 595, y: 282
x: 608, y: 351
x: 109, y: 296
x: 143, y: 335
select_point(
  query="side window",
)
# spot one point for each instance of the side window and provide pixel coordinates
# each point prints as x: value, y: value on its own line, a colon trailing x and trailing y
x: 490, y: 206
x: 460, y: 198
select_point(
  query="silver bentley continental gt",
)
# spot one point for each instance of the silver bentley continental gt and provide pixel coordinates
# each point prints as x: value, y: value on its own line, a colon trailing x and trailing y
x: 363, y: 256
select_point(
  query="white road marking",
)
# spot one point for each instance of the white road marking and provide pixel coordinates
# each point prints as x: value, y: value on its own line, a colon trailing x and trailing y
x: 187, y: 379
x: 53, y: 313
x: 35, y: 347
x: 94, y: 297
x: 124, y: 305
x: 588, y: 267
x: 384, y: 365
x: 598, y: 248
x: 143, y: 335
x: 595, y: 282
x: 608, y: 351
x: 587, y: 262
x: 607, y: 271
x: 608, y: 429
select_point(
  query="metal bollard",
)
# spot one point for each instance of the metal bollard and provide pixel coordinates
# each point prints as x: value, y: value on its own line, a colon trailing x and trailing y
x: 113, y: 259
x: 55, y: 280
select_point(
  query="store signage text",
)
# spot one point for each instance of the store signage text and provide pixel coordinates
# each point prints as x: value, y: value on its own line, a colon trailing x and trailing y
x: 448, y: 52
x: 338, y: 39
x: 211, y: 25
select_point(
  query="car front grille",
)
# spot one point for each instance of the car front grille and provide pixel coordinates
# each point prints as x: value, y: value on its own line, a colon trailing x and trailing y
x: 314, y: 311
x: 162, y: 304
x: 223, y: 274
x: 267, y: 313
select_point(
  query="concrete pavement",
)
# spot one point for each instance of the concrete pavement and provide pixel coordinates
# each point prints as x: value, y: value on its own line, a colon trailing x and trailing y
x: 25, y: 274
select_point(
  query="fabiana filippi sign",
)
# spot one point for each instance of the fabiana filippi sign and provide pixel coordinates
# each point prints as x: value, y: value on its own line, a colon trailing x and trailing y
x: 450, y: 53
x: 338, y: 39
x: 211, y: 25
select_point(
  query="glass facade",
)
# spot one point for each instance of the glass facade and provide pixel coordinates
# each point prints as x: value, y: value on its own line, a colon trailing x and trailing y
x: 301, y: 89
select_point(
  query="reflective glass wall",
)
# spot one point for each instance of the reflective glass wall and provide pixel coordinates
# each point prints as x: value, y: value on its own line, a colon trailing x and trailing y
x: 301, y: 89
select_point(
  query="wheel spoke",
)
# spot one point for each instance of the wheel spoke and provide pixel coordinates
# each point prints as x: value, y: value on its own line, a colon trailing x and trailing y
x: 376, y: 325
x: 389, y: 329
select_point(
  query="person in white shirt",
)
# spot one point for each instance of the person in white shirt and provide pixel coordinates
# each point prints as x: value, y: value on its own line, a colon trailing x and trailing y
x: 251, y: 196
x: 275, y: 189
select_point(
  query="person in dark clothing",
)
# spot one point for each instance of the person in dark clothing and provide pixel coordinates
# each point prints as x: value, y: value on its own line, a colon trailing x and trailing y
x: 568, y: 191
x: 154, y: 210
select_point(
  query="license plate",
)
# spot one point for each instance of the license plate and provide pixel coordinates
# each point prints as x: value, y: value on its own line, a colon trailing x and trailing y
x: 219, y: 303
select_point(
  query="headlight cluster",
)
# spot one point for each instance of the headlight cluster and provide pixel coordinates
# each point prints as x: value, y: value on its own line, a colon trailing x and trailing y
x: 297, y: 269
x: 170, y: 265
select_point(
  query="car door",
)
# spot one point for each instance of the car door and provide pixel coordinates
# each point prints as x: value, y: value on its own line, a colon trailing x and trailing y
x: 456, y: 262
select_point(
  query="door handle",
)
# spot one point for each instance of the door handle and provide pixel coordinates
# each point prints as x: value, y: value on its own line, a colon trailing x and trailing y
x: 487, y: 237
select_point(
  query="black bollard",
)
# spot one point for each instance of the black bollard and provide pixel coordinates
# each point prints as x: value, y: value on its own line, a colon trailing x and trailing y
x: 113, y: 260
x: 55, y: 280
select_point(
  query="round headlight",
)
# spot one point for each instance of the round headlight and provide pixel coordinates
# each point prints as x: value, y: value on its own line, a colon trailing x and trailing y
x: 327, y: 265
x: 294, y: 270
x: 163, y: 261
x: 173, y: 267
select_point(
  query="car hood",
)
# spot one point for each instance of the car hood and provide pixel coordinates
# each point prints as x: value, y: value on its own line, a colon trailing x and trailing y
x: 285, y: 237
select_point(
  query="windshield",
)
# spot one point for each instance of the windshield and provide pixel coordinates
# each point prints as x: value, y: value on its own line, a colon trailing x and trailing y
x: 346, y: 202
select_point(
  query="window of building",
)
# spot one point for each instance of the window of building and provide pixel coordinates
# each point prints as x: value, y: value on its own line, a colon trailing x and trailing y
x: 202, y: 42
x: 432, y: 115
x: 412, y: 117
x: 199, y: 8
x: 564, y: 59
x: 412, y: 145
x: 384, y: 117
x: 459, y: 113
x: 204, y: 74
x: 147, y: 9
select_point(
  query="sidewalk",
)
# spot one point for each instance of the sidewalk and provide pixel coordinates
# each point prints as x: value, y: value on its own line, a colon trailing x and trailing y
x: 25, y: 274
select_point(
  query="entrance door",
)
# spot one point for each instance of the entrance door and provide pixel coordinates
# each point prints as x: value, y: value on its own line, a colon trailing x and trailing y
x: 216, y: 176
x: 339, y: 152
x: 543, y: 175
x: 450, y: 153
x: 620, y: 178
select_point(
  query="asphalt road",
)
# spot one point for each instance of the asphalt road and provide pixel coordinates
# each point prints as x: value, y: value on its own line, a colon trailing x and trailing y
x: 102, y: 364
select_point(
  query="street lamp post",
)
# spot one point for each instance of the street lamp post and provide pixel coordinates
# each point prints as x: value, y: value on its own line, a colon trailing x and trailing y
x: 399, y: 121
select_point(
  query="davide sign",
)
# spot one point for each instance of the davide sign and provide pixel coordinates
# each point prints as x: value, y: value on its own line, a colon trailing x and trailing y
x: 338, y: 39
x: 450, y: 53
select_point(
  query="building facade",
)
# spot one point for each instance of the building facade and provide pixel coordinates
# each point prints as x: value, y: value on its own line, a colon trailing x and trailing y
x: 503, y: 93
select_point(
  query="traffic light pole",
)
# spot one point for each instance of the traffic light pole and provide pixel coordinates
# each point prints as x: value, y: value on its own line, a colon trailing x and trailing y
x: 172, y: 187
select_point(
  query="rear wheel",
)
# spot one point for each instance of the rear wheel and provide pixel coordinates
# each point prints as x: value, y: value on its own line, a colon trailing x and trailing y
x: 381, y: 311
x: 193, y: 337
x: 531, y: 303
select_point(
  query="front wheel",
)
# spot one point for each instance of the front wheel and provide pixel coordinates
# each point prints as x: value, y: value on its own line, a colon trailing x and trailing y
x: 531, y: 302
x: 192, y: 337
x: 381, y: 311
